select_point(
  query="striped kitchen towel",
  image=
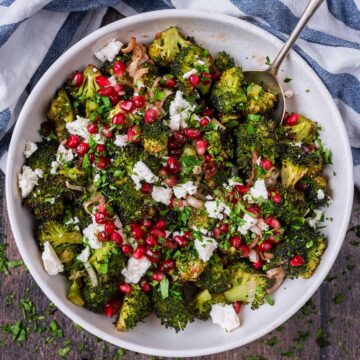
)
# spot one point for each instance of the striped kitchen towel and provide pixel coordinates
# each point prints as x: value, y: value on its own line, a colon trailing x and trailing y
x: 33, y: 34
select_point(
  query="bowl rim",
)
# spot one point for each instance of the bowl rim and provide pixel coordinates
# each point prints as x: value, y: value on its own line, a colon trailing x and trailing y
x: 72, y: 314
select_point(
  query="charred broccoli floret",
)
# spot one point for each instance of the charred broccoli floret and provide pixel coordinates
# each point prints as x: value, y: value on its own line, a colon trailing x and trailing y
x: 259, y: 101
x: 190, y: 267
x: 136, y: 307
x: 227, y: 95
x: 318, y: 193
x: 248, y: 285
x: 201, y: 305
x: 313, y: 257
x: 61, y: 112
x: 74, y: 293
x: 172, y: 311
x: 220, y: 144
x: 199, y: 219
x: 215, y: 278
x: 43, y: 156
x: 304, y: 130
x: 126, y: 157
x: 154, y: 137
x: 166, y: 46
x: 74, y: 176
x: 83, y: 217
x: 223, y: 61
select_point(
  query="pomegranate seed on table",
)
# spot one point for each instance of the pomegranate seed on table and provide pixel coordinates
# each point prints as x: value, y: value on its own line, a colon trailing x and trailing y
x: 245, y: 250
x: 170, y: 83
x: 167, y: 265
x: 266, y: 164
x: 204, y: 122
x: 139, y: 101
x: 180, y: 240
x: 106, y: 91
x: 137, y: 232
x: 151, y: 240
x: 257, y: 265
x: 102, y: 81
x: 201, y: 146
x: 103, y: 236
x: 296, y: 261
x: 192, y: 133
x: 119, y: 119
x: 158, y: 276
x: 158, y: 233
x: 139, y: 252
x: 125, y: 288
x: 117, y: 238
x: 119, y: 68
x: 100, y: 218
x: 241, y: 189
x: 107, y: 132
x: 126, y: 105
x: 153, y: 255
x: 292, y: 120
x: 265, y: 246
x: 92, y: 129
x: 160, y: 224
x: 237, y: 306
x: 100, y: 148
x: 150, y: 116
x: 126, y: 249
x: 134, y: 134
x: 173, y: 165
x: 217, y: 232
x: 145, y: 286
x: 72, y: 142
x: 82, y: 148
x: 146, y: 188
x: 102, y: 163
x: 78, y: 79
x: 194, y: 80
x: 109, y: 227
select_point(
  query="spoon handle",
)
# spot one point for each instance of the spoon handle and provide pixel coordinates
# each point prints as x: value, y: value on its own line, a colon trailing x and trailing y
x: 305, y: 17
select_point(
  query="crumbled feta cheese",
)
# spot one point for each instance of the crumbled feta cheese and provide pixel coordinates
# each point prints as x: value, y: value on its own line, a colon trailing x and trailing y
x: 30, y: 148
x: 200, y: 62
x: 249, y: 222
x: 189, y: 73
x: 121, y: 140
x: 74, y: 220
x: 54, y: 167
x: 205, y: 247
x: 78, y: 127
x: 257, y: 192
x: 289, y: 94
x: 52, y: 263
x: 97, y: 178
x: 315, y: 220
x: 320, y: 194
x: 225, y: 316
x: 162, y: 195
x: 180, y: 110
x: 64, y: 155
x: 187, y: 188
x: 28, y: 179
x: 112, y: 80
x: 135, y: 269
x: 216, y: 209
x: 233, y: 182
x: 90, y: 233
x: 109, y: 51
x: 84, y: 256
x: 297, y: 144
x: 144, y: 173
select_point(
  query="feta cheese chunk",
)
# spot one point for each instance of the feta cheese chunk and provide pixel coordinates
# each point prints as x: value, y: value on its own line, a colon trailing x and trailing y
x: 51, y: 261
x: 187, y: 188
x: 315, y: 220
x: 84, y: 255
x: 161, y: 195
x: 78, y: 127
x: 90, y: 233
x: 216, y: 209
x: 141, y: 169
x: 54, y: 167
x: 180, y: 110
x: 30, y: 148
x: 320, y: 194
x: 249, y: 222
x: 258, y: 192
x: 28, y: 179
x: 189, y: 73
x: 109, y: 51
x: 205, y: 247
x: 121, y: 140
x: 135, y: 269
x: 64, y: 155
x: 225, y: 316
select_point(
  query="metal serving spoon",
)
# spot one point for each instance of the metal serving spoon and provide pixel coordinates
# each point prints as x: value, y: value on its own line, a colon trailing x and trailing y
x: 268, y: 78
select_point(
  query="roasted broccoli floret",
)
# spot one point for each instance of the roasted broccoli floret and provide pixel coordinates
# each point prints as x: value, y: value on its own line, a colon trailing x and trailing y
x: 126, y: 157
x: 74, y: 293
x: 313, y: 257
x: 201, y: 305
x: 227, y: 95
x: 60, y: 113
x: 220, y: 144
x: 74, y: 176
x: 304, y: 130
x: 154, y: 137
x: 172, y: 311
x: 223, y: 61
x: 318, y: 193
x: 136, y: 307
x: 248, y: 285
x: 259, y: 101
x: 83, y: 217
x: 43, y: 156
x: 189, y: 267
x: 199, y: 219
x: 153, y: 72
x: 166, y: 46
x: 215, y: 278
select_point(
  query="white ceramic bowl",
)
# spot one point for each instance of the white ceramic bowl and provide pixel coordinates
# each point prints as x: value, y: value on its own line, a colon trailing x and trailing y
x: 249, y: 45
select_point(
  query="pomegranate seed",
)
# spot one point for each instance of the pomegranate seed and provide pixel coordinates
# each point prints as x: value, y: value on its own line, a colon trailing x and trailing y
x: 112, y: 308
x: 114, y: 97
x: 102, y: 81
x: 265, y: 246
x: 232, y: 197
x: 118, y: 88
x: 72, y: 142
x: 117, y: 238
x: 150, y: 116
x: 201, y: 146
x: 153, y: 255
x: 158, y: 276
x: 205, y: 78
x: 235, y: 242
x: 92, y: 129
x: 119, y: 68
x: 171, y: 181
x: 276, y: 197
x: 147, y: 223
x: 119, y: 119
x: 173, y: 165
x: 127, y: 105
x: 296, y: 261
x: 146, y: 188
x: 237, y: 306
x: 175, y: 152
x: 194, y: 80
x: 170, y: 245
x: 82, y: 148
x: 180, y: 240
x: 106, y: 91
x: 245, y: 250
x: 273, y: 222
x: 255, y: 209
x: 102, y: 236
x: 100, y: 148
x: 139, y: 252
x: 160, y: 224
x: 215, y: 75
x: 100, y: 218
x: 158, y: 233
x: 208, y: 112
x: 102, y: 163
x: 207, y: 158
x: 139, y: 101
x: 134, y: 134
x: 241, y: 189
x: 145, y: 286
x: 179, y: 137
x: 266, y: 164
x: 204, y: 122
x: 102, y: 209
x: 167, y: 265
x: 224, y: 228
x: 217, y: 232
x: 109, y: 227
x: 192, y: 133
x: 292, y: 120
x: 257, y: 265
x: 187, y: 235
x: 163, y: 171
x: 107, y: 132
x: 170, y: 83
x: 126, y: 249
x: 173, y: 144
x: 78, y: 79
x: 137, y: 232
x: 303, y: 187
x: 151, y: 240
x: 125, y: 288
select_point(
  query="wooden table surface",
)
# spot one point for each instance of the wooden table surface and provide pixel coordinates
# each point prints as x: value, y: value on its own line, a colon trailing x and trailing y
x: 327, y: 327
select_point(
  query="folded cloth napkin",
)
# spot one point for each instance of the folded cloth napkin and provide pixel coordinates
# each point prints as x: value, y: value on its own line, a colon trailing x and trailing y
x: 33, y: 34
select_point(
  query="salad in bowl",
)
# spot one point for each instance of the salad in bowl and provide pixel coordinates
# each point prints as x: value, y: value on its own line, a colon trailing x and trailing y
x: 162, y: 185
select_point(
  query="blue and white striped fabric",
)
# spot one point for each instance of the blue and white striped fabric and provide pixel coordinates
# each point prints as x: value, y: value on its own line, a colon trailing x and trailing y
x: 34, y: 33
